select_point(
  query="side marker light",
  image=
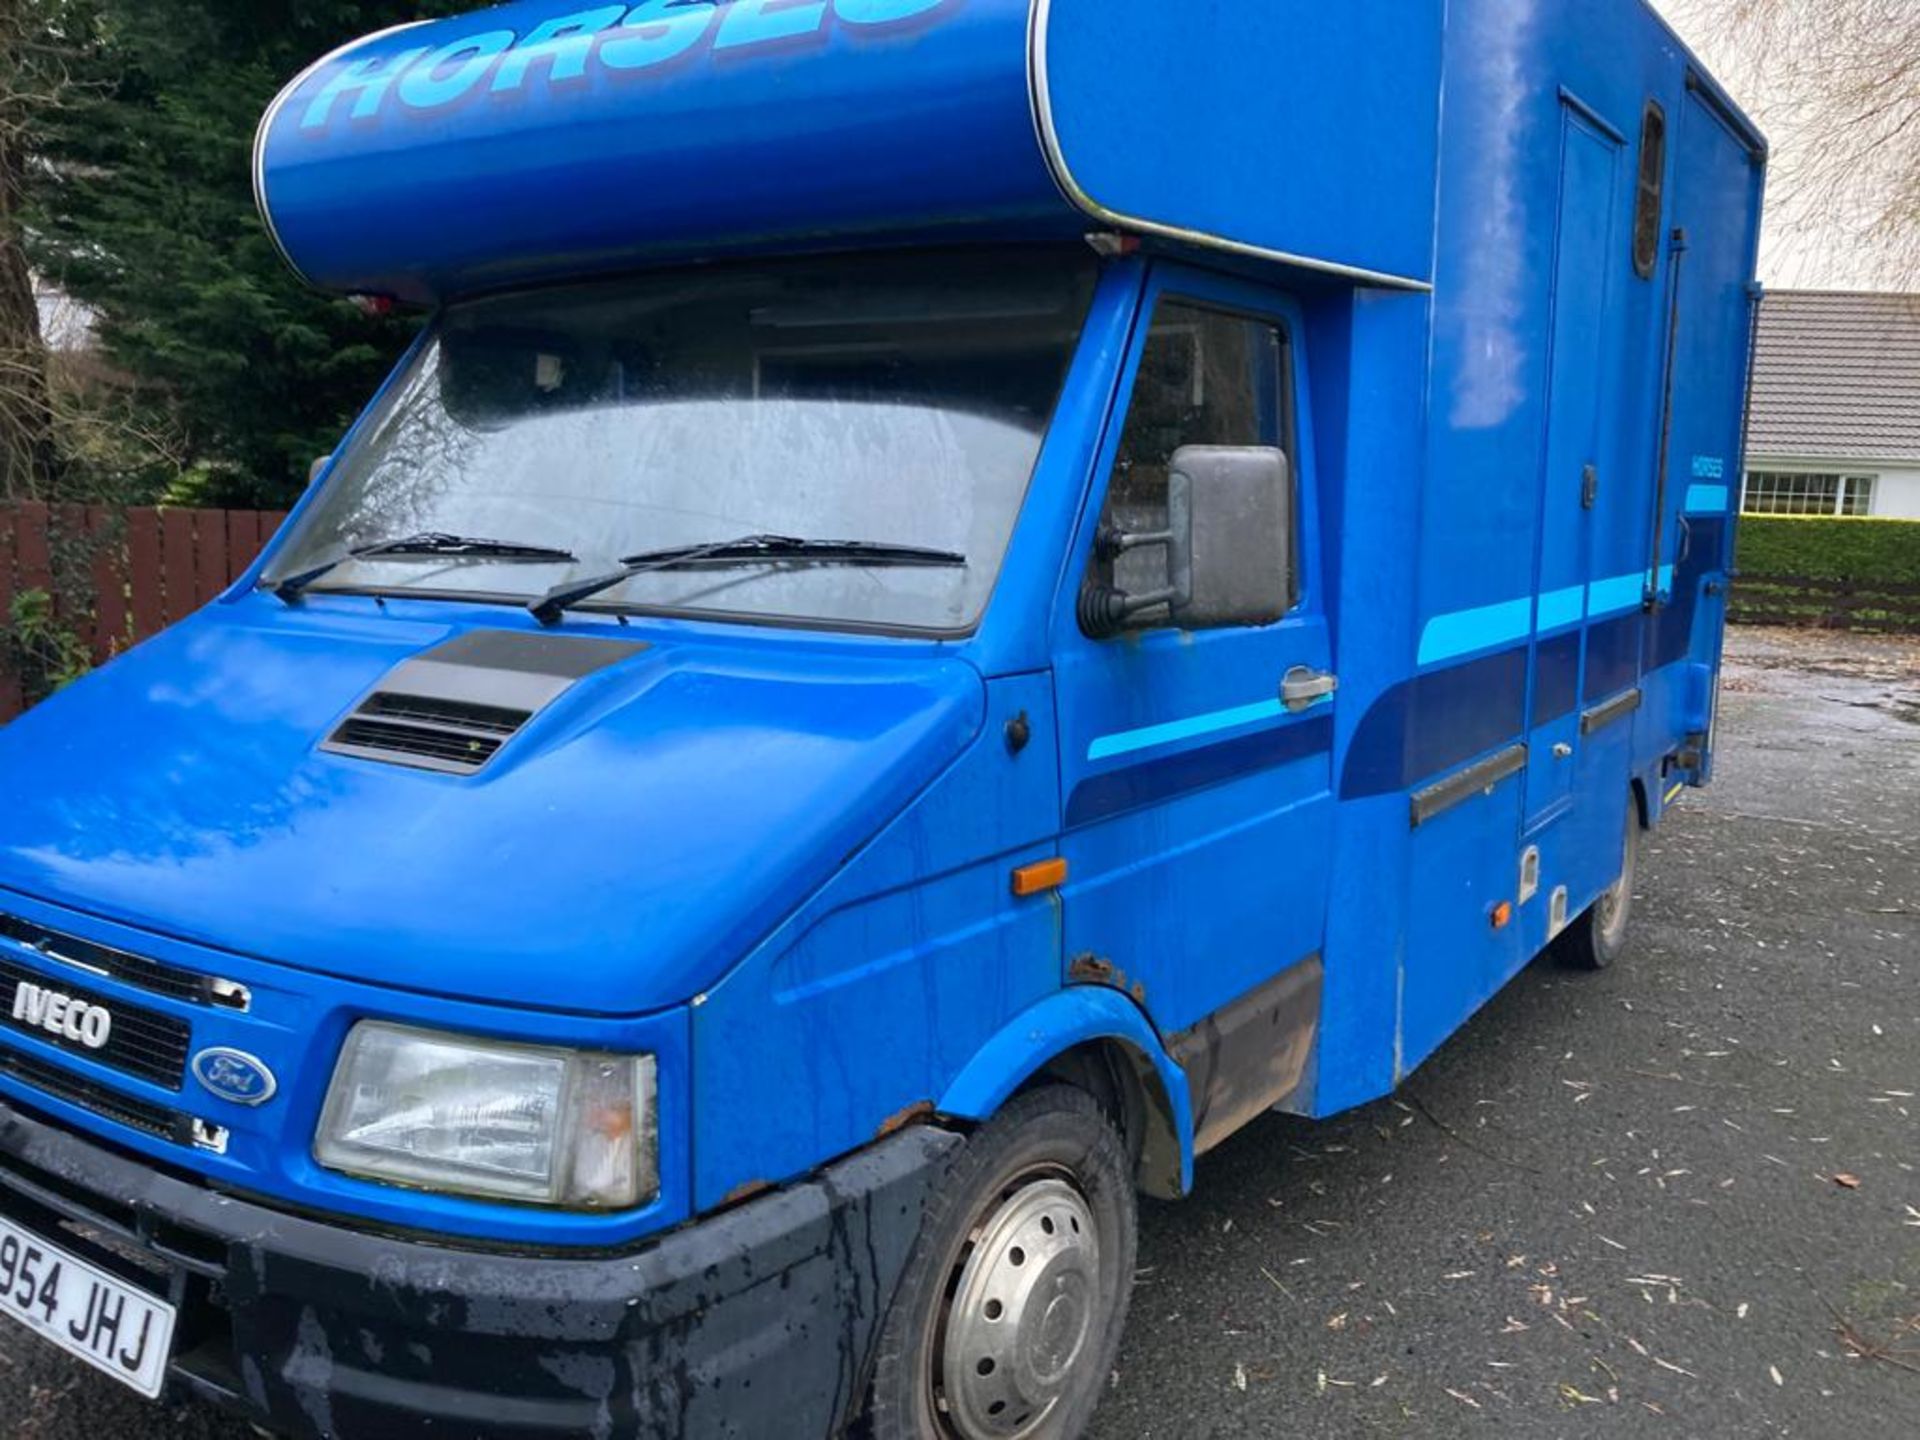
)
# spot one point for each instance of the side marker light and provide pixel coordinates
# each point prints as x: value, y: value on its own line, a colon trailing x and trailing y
x: 1031, y: 880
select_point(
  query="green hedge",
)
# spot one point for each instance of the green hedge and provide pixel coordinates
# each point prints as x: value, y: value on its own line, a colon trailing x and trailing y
x: 1825, y: 548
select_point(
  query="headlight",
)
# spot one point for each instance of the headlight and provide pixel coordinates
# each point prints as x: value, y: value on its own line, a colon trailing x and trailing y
x: 557, y: 1127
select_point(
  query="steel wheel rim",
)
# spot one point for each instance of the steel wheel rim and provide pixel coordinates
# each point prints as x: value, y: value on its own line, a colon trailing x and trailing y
x: 1024, y: 1312
x: 1611, y: 913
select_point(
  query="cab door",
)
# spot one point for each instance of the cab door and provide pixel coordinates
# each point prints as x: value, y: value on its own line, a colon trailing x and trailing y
x: 1196, y: 763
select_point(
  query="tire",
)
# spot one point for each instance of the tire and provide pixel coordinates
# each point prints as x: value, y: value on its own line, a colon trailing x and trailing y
x: 1602, y: 935
x: 1008, y: 1319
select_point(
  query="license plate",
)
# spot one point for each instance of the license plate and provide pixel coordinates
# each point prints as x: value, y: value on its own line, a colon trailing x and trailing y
x: 113, y: 1326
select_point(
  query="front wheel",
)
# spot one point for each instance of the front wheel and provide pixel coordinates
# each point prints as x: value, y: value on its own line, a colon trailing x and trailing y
x: 1008, y: 1319
x: 1599, y: 937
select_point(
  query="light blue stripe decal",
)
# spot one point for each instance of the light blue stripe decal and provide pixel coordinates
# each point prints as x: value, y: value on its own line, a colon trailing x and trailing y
x: 1466, y: 631
x: 1128, y: 741
x: 1622, y: 592
x: 1707, y: 499
x: 1560, y: 608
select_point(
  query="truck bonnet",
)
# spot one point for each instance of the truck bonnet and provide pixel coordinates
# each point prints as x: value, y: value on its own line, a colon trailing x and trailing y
x: 650, y: 822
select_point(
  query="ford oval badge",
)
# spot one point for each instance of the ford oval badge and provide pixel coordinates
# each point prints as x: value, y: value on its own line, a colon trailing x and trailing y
x: 235, y: 1075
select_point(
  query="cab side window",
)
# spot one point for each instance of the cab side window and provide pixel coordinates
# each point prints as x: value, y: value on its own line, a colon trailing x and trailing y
x: 1207, y: 377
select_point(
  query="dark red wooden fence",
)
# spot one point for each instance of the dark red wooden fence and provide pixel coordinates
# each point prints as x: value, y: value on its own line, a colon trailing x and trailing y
x: 118, y: 576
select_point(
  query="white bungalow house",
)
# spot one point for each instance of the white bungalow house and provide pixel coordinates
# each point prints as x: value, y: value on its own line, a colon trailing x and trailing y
x: 1835, y: 427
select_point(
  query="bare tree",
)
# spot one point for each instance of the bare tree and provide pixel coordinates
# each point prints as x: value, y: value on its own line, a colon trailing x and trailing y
x: 27, y: 82
x: 1841, y: 79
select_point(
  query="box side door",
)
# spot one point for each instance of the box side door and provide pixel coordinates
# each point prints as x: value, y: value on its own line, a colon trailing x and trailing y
x: 1571, y: 478
x: 1716, y: 209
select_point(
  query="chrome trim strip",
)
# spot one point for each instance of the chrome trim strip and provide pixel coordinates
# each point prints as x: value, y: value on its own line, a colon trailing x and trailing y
x: 1049, y: 137
x: 137, y: 972
x: 273, y: 114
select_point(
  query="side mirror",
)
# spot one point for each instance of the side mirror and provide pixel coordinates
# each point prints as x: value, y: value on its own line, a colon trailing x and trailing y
x: 1237, y: 565
x: 1229, y: 544
x: 317, y: 469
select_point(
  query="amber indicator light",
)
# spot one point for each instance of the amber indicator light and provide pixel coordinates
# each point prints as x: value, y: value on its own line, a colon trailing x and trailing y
x: 1040, y: 878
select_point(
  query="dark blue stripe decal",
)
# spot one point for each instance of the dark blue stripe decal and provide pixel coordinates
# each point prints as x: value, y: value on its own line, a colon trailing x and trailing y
x: 1556, y: 681
x: 1670, y: 631
x: 1613, y: 655
x: 1436, y: 722
x: 1433, y: 722
x: 1167, y: 777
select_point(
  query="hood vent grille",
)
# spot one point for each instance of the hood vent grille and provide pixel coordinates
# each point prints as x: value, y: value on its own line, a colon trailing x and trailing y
x: 444, y: 714
x: 450, y: 736
x: 454, y: 708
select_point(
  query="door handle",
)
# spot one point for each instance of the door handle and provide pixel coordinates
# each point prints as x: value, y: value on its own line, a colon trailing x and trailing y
x: 1304, y: 688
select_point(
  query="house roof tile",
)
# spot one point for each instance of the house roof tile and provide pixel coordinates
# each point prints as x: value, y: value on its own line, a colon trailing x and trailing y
x: 1837, y: 376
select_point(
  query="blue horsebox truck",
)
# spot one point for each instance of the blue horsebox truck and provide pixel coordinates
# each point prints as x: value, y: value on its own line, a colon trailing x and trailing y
x: 959, y: 598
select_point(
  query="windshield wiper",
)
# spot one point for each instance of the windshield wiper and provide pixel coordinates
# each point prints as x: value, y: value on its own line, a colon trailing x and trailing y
x: 747, y: 550
x: 427, y: 543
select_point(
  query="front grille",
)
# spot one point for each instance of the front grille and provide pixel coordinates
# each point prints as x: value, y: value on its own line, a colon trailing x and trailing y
x: 453, y: 737
x: 141, y: 1042
x: 134, y: 970
x: 154, y: 1120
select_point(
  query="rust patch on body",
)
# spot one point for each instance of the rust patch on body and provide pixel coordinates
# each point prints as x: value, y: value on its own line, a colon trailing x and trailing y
x: 1092, y: 970
x: 912, y: 1115
x: 1098, y: 970
x: 742, y: 1193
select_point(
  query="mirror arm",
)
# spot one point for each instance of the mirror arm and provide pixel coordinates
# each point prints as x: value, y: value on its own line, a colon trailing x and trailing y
x: 1104, y: 611
x: 1111, y: 544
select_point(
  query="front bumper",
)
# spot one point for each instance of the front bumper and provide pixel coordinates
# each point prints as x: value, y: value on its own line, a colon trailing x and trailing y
x: 756, y: 1323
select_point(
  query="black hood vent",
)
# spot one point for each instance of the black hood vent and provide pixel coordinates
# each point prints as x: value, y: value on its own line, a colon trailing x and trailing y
x: 438, y: 734
x: 454, y: 708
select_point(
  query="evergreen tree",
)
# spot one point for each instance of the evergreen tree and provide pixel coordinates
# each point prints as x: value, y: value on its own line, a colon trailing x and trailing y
x: 141, y: 209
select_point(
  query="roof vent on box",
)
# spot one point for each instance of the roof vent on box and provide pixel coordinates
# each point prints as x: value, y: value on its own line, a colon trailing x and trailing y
x: 454, y: 708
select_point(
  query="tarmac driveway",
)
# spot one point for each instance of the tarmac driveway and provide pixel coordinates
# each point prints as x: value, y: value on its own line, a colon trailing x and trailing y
x: 1677, y: 1199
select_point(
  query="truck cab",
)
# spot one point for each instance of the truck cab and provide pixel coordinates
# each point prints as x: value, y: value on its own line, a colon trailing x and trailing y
x: 852, y: 706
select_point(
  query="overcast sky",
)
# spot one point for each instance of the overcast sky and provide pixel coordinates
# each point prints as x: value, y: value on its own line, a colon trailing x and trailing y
x: 1794, y: 254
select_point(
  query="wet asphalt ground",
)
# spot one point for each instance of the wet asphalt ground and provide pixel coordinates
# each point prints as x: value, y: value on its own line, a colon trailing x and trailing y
x: 1678, y: 1199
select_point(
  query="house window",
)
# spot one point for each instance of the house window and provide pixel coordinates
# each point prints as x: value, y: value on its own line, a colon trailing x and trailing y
x: 1778, y: 492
